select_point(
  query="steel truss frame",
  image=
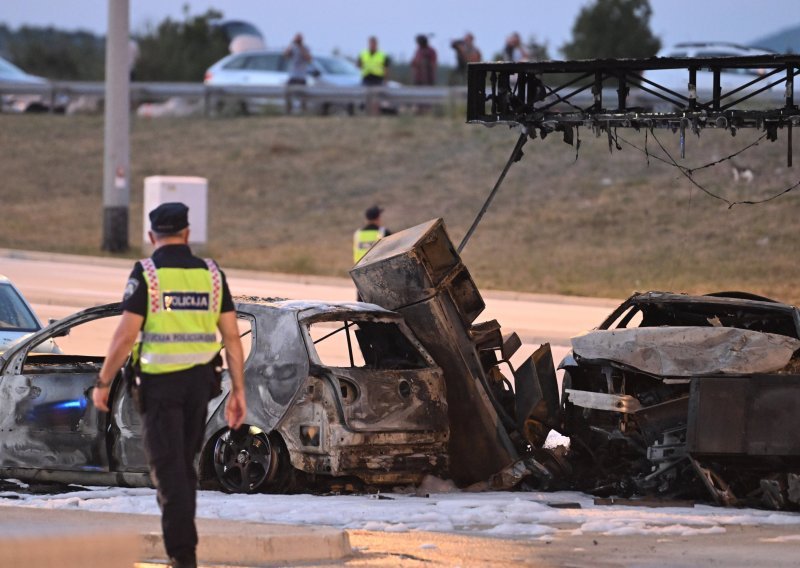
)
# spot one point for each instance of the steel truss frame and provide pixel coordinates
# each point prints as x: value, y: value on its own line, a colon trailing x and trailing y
x: 553, y: 95
x: 547, y: 96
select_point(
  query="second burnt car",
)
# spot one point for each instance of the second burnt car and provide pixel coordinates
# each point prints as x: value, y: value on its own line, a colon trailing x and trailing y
x: 336, y: 391
x: 690, y: 397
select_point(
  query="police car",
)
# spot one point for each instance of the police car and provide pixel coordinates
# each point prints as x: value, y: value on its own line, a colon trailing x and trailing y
x: 17, y: 319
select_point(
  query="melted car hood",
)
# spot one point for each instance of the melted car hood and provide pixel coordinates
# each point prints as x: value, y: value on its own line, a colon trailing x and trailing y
x: 688, y: 351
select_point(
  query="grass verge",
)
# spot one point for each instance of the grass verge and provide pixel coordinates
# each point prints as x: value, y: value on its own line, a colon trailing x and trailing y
x: 286, y: 194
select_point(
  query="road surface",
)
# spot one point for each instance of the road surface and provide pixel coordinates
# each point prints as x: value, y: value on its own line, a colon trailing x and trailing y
x: 58, y: 285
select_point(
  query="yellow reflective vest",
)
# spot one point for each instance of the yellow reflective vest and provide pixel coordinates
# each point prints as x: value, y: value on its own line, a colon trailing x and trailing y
x: 183, y: 308
x: 363, y: 239
x: 372, y: 63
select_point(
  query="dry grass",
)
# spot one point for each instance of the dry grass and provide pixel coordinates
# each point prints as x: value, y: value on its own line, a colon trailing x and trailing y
x: 286, y: 194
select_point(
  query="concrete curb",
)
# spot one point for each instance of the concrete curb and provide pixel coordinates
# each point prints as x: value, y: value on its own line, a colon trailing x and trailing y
x: 39, y: 537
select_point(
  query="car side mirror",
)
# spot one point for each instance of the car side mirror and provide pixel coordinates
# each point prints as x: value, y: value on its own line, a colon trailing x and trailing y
x: 314, y: 73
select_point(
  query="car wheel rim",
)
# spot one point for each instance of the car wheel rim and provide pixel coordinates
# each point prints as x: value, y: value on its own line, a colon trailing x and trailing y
x: 243, y: 459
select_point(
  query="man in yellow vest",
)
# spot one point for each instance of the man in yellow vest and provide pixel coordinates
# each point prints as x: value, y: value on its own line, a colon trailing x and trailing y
x: 373, y: 63
x: 175, y: 303
x: 369, y: 234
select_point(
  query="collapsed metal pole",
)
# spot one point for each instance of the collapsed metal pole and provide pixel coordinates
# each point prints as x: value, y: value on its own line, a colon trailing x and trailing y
x: 516, y: 154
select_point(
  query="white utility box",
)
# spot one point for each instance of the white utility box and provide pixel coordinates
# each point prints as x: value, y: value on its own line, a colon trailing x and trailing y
x: 192, y: 191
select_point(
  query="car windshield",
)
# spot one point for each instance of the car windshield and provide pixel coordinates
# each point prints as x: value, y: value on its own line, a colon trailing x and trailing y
x: 14, y: 313
x: 766, y: 319
x: 336, y: 66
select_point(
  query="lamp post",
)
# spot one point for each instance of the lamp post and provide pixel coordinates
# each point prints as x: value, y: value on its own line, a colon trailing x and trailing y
x: 116, y: 165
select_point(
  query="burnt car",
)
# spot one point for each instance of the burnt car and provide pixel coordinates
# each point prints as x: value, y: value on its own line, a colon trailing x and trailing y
x: 336, y: 391
x: 499, y: 413
x: 688, y: 397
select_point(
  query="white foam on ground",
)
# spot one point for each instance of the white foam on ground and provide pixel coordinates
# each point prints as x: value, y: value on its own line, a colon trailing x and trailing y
x: 501, y: 514
x: 784, y: 538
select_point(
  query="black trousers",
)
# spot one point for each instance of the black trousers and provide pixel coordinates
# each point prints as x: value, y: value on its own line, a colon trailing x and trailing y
x: 174, y: 422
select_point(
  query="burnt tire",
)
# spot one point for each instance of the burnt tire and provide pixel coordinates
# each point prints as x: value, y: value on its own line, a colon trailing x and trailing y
x: 246, y: 460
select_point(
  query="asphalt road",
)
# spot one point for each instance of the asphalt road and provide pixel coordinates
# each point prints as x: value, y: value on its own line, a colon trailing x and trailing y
x: 58, y: 285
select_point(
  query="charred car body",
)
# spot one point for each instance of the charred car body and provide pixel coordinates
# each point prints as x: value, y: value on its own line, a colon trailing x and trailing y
x: 415, y: 387
x: 496, y: 429
x: 673, y: 395
x: 376, y: 414
x: 688, y: 396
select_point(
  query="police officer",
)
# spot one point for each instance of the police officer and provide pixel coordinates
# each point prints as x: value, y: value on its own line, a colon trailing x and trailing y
x: 175, y: 302
x: 369, y: 234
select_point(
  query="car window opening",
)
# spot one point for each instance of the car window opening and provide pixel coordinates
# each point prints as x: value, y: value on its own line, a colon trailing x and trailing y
x: 377, y: 345
x: 246, y: 325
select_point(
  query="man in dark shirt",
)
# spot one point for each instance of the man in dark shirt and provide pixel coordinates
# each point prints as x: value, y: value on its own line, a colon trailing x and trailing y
x: 178, y: 302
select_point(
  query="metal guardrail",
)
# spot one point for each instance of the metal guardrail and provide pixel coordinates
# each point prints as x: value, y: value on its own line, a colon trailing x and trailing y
x: 358, y: 95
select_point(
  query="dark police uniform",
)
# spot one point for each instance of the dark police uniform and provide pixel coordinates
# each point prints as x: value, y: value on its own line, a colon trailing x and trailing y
x: 174, y: 403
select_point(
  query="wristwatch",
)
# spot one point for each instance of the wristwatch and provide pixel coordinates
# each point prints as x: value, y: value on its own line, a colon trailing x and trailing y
x: 99, y: 384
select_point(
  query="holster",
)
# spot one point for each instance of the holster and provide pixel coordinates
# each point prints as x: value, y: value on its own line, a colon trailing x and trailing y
x: 133, y: 384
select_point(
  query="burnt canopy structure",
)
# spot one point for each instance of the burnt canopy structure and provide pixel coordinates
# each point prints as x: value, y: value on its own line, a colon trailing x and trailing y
x: 553, y: 95
x: 603, y: 95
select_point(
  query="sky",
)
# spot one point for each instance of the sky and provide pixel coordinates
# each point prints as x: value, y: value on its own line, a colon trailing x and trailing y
x: 344, y: 25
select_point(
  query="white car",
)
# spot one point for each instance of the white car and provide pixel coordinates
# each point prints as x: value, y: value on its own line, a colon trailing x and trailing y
x: 678, y: 79
x: 270, y: 69
x: 17, y: 319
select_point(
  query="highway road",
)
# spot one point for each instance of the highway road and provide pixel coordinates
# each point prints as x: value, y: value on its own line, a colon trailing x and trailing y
x: 58, y: 285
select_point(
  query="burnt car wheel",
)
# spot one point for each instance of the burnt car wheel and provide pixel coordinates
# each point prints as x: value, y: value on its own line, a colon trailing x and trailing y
x: 245, y: 460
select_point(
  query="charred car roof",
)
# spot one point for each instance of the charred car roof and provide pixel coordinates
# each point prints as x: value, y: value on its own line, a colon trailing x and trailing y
x: 318, y: 309
x: 730, y: 309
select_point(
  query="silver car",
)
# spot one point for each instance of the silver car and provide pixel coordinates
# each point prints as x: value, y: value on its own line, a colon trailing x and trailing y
x: 270, y: 69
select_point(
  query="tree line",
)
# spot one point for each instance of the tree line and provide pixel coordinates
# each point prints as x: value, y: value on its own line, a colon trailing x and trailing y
x: 182, y: 50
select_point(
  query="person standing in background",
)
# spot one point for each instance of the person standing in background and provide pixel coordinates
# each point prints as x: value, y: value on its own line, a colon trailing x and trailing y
x: 298, y: 59
x: 423, y: 68
x: 373, y: 231
x: 374, y: 64
x: 423, y: 65
x: 366, y: 237
x: 514, y: 50
x: 466, y: 52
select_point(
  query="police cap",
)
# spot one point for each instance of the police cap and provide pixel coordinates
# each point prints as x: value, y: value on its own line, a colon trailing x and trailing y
x: 169, y: 218
x: 373, y: 213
